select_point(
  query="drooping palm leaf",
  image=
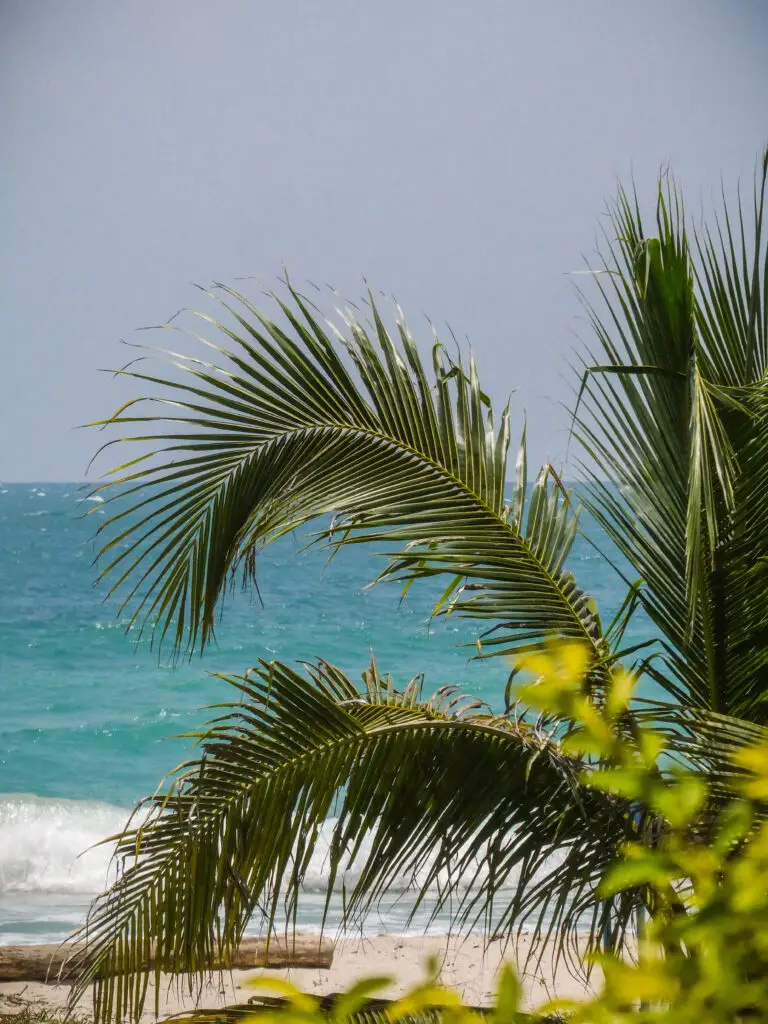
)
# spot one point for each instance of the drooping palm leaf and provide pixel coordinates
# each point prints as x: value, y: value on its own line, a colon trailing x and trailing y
x: 490, y: 817
x: 279, y: 431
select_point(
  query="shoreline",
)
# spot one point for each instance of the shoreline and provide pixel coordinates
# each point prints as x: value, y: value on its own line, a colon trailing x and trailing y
x: 467, y: 965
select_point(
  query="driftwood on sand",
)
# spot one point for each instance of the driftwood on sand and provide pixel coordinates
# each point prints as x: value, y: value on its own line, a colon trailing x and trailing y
x: 45, y: 963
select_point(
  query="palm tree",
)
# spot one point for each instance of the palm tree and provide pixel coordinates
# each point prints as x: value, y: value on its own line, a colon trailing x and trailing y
x: 291, y: 422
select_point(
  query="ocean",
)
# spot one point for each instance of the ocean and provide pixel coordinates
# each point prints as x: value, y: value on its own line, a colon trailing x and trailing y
x: 88, y: 710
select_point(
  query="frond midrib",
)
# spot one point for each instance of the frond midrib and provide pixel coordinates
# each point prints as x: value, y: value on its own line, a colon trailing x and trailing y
x: 472, y: 495
x: 366, y: 734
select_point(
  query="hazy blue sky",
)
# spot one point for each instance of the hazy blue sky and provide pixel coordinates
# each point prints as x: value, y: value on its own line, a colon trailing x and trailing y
x: 456, y: 153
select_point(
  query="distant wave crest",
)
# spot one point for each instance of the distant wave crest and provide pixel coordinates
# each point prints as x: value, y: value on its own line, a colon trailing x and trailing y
x: 45, y: 844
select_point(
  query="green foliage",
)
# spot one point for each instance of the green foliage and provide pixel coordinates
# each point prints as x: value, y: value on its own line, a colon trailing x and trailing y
x: 704, y: 953
x: 288, y: 422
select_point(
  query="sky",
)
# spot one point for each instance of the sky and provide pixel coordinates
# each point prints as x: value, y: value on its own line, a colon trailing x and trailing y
x: 458, y: 155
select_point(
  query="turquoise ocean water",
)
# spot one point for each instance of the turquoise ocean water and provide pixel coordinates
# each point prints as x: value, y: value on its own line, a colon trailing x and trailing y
x: 86, y: 710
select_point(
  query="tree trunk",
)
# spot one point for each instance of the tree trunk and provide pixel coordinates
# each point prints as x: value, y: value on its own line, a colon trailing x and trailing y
x: 43, y: 963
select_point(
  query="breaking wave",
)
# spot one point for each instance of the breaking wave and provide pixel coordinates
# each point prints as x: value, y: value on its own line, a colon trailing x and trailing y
x: 53, y: 862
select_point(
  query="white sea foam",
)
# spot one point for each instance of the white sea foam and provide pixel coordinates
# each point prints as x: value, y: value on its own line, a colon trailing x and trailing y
x: 50, y: 846
x: 50, y: 869
x: 45, y: 844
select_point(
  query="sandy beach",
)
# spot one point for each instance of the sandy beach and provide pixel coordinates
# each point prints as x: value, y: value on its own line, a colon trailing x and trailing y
x: 466, y: 966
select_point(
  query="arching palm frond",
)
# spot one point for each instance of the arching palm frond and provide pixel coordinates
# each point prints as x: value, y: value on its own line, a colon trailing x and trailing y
x: 673, y: 414
x: 278, y: 432
x: 490, y: 817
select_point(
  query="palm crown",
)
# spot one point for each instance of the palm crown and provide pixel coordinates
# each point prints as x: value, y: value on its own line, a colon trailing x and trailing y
x: 291, y: 423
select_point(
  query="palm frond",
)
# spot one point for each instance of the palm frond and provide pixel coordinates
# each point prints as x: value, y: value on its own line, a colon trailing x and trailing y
x: 701, y: 741
x: 292, y: 424
x: 671, y: 413
x: 491, y: 819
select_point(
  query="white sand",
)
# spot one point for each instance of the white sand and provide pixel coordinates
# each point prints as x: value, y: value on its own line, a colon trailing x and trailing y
x: 466, y: 966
